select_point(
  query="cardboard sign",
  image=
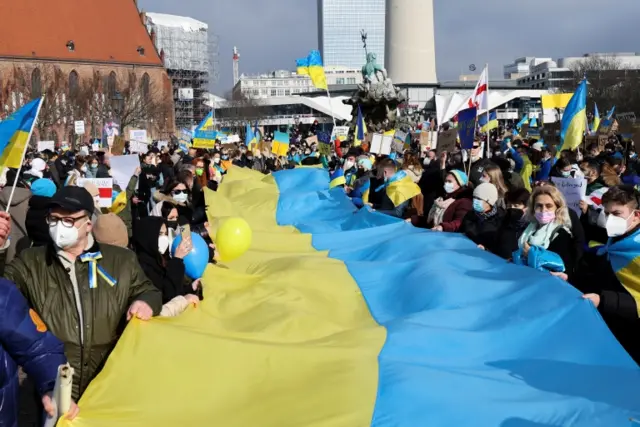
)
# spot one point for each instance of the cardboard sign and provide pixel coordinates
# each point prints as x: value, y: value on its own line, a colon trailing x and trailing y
x: 573, y: 190
x: 312, y: 140
x: 46, y: 145
x: 117, y: 148
x: 105, y: 189
x: 447, y: 141
x: 551, y: 133
x: 122, y: 169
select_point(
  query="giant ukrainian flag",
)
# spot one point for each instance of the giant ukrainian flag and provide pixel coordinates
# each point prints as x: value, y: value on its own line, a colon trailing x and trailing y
x: 344, y: 318
x: 14, y: 134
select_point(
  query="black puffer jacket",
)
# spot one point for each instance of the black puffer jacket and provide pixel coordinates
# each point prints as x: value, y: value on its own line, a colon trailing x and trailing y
x: 36, y: 224
x: 482, y: 231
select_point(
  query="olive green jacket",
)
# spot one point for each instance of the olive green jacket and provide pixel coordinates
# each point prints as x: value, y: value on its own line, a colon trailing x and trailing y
x: 43, y: 280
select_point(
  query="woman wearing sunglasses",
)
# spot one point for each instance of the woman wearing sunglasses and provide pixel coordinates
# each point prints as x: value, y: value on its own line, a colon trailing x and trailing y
x: 176, y: 193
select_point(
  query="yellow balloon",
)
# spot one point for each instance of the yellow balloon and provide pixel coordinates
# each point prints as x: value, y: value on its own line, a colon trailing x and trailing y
x: 233, y: 238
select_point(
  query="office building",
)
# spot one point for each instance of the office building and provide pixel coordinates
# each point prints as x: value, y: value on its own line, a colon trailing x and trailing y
x: 339, y: 26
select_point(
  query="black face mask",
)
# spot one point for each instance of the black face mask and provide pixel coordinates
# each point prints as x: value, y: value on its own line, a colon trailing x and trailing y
x: 172, y: 224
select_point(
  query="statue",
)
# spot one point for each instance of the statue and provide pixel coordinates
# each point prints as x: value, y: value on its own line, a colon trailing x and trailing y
x: 371, y: 69
x: 377, y: 97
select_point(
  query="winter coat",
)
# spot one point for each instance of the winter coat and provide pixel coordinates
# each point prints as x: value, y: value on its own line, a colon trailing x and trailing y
x: 44, y: 281
x: 36, y: 224
x: 125, y: 214
x: 166, y: 274
x: 18, y: 212
x: 103, y: 171
x: 25, y: 341
x: 431, y: 184
x: 482, y: 231
x: 510, y: 230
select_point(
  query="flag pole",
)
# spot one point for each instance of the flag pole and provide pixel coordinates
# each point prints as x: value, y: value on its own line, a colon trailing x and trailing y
x: 486, y: 67
x: 24, y: 153
x: 333, y: 117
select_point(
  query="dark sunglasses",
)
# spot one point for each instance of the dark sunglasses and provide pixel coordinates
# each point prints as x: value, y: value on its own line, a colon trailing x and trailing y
x: 176, y: 192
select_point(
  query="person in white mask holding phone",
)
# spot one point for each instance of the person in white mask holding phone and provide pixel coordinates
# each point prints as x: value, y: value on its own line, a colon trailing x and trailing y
x: 609, y: 275
x: 82, y: 289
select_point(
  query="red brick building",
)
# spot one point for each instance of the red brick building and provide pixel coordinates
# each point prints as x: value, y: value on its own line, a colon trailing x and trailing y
x: 92, y: 60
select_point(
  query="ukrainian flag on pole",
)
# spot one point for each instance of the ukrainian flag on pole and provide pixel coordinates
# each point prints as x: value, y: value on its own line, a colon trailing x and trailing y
x: 596, y: 120
x: 312, y: 66
x: 574, y: 119
x: 15, y: 132
x: 361, y: 129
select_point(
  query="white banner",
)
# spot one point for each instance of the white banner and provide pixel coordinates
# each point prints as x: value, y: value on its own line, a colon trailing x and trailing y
x: 105, y: 189
x: 122, y: 169
x: 46, y: 145
x: 185, y: 94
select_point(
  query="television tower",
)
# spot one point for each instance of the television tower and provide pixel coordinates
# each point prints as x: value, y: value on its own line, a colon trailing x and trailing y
x: 236, y: 66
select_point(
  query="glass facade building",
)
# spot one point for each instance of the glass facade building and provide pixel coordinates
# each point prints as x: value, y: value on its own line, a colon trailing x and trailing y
x: 339, y: 26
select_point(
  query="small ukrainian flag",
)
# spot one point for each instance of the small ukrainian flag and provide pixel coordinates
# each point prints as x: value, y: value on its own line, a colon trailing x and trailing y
x: 280, y: 145
x: 15, y: 131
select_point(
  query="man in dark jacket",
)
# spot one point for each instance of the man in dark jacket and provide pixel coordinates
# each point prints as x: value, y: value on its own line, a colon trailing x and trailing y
x: 607, y: 276
x: 478, y: 164
x: 82, y: 290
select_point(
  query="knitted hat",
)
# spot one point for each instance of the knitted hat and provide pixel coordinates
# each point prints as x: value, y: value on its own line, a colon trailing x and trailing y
x: 92, y: 189
x: 365, y: 163
x: 460, y: 176
x: 43, y: 187
x: 109, y: 229
x: 487, y: 192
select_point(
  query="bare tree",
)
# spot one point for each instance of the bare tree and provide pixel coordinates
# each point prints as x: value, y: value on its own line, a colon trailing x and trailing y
x: 240, y: 110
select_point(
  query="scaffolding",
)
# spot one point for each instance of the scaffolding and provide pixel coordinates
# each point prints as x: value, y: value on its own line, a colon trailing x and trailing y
x: 191, y: 59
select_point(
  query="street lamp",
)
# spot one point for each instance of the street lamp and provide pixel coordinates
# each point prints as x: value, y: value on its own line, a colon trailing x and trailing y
x: 117, y: 104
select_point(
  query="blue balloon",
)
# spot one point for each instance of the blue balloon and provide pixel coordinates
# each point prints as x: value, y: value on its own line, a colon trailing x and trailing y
x: 196, y: 261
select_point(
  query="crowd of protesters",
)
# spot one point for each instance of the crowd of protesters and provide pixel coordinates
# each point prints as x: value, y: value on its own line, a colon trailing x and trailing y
x: 77, y: 270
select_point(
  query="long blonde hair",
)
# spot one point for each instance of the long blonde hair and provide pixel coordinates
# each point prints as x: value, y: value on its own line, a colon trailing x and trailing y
x: 495, y: 175
x: 562, y: 211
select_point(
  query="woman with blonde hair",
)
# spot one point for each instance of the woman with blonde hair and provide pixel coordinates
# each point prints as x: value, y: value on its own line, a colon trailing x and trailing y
x: 548, y: 243
x: 492, y: 174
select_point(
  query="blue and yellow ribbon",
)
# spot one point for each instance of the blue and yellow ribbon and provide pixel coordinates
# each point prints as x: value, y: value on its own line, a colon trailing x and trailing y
x: 95, y: 270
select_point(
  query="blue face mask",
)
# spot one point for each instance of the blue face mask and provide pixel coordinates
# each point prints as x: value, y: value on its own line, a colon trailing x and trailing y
x: 478, y: 205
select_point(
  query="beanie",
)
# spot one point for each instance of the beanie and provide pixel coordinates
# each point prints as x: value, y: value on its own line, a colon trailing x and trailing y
x: 487, y: 192
x: 92, y: 189
x: 460, y: 176
x: 109, y: 229
x: 43, y: 187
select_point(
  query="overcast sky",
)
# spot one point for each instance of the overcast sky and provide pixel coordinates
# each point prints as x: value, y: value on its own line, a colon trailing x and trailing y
x: 270, y: 34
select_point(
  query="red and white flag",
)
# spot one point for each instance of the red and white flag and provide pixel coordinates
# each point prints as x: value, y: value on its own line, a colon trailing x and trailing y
x: 480, y: 96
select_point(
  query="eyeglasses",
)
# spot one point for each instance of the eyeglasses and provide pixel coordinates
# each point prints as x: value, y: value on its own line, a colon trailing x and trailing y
x: 68, y: 221
x: 176, y: 192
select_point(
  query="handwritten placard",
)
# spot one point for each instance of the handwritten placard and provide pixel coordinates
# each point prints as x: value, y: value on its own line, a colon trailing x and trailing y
x: 573, y: 190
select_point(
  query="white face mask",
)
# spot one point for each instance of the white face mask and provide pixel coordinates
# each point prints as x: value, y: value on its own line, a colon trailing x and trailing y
x: 216, y: 160
x: 180, y: 198
x: 426, y: 161
x: 617, y: 226
x: 84, y: 168
x: 448, y: 187
x: 163, y: 244
x: 349, y: 164
x: 64, y: 237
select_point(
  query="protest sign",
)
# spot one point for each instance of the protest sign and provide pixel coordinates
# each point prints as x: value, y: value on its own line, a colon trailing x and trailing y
x: 467, y: 127
x: 447, y: 141
x: 78, y: 126
x: 312, y: 140
x: 626, y: 117
x: 122, y: 169
x: 551, y: 133
x: 387, y: 140
x: 573, y: 190
x: 138, y: 135
x: 110, y: 130
x: 46, y: 145
x: 162, y: 144
x: 376, y: 143
x: 138, y: 147
x: 117, y: 148
x: 340, y: 132
x: 105, y: 189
